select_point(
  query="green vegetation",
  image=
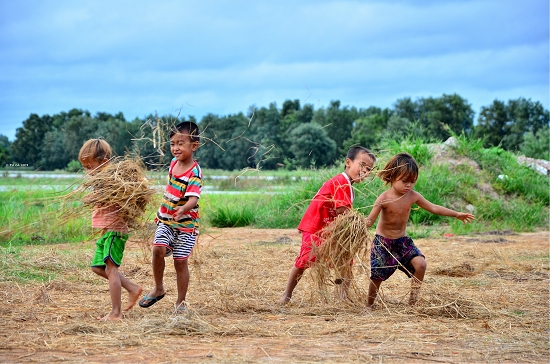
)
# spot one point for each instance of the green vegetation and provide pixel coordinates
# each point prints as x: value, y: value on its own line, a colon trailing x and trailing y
x: 290, y: 137
x: 232, y: 216
x: 503, y: 194
x: 40, y: 217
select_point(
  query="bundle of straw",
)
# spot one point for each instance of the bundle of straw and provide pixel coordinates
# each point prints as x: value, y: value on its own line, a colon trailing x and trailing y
x: 344, y: 239
x: 123, y: 185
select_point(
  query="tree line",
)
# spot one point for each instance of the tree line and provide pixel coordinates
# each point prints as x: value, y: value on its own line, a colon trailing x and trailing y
x: 292, y: 136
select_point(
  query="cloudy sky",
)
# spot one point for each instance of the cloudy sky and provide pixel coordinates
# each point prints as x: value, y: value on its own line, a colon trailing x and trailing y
x: 141, y: 57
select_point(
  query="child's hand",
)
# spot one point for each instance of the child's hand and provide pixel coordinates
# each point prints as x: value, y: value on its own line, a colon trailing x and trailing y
x: 465, y: 217
x: 180, y: 211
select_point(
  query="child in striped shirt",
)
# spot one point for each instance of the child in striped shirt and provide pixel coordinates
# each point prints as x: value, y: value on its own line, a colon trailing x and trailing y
x: 178, y: 216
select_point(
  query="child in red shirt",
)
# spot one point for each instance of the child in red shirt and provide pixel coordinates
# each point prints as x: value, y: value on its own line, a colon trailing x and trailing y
x: 333, y: 198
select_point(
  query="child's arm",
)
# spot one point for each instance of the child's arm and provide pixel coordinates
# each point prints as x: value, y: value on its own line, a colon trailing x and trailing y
x: 370, y: 220
x: 443, y: 211
x: 181, y: 210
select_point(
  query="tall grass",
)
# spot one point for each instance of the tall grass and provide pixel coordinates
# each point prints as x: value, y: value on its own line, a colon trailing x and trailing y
x: 232, y: 216
x: 39, y: 217
x: 415, y: 146
x: 506, y: 175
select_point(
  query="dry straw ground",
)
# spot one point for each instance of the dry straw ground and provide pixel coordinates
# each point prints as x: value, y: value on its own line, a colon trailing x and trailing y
x: 485, y: 299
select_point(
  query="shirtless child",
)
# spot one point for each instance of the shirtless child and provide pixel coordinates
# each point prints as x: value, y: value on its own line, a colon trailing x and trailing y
x: 392, y: 249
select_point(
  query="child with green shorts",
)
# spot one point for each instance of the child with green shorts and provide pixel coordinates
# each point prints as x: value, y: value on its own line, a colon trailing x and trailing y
x: 94, y: 155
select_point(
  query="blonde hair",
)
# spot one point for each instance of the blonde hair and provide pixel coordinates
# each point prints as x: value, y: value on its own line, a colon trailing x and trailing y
x: 97, y: 149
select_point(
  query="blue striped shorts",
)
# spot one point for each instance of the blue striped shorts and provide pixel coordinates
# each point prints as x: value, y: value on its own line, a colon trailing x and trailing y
x: 178, y: 243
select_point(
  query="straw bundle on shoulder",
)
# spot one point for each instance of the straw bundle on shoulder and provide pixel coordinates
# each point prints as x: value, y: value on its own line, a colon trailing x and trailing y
x: 344, y: 239
x: 121, y: 185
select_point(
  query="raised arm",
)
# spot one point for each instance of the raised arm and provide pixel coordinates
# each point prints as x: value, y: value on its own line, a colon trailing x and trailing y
x: 443, y: 211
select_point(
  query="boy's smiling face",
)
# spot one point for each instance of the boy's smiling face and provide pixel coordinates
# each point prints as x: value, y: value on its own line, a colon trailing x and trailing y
x: 359, y: 168
x: 182, y: 147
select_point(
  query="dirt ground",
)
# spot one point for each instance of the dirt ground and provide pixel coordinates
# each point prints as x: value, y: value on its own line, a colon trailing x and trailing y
x: 485, y: 299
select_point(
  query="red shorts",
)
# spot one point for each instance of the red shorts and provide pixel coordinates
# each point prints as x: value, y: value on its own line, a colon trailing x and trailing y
x: 305, y: 258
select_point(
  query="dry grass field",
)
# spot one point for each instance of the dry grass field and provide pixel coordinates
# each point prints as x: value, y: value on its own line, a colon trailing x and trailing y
x: 485, y: 299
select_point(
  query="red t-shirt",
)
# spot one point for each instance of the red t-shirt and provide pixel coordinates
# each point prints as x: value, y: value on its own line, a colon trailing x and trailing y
x: 335, y: 193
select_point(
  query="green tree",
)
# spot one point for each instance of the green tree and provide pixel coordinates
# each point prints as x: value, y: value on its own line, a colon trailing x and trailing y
x: 448, y: 110
x: 29, y: 139
x: 305, y: 114
x: 537, y: 145
x: 226, y: 142
x: 433, y: 114
x: 338, y: 122
x: 311, y: 145
x: 523, y: 116
x: 290, y: 107
x: 268, y: 138
x: 5, y: 146
x: 114, y: 129
x: 54, y: 152
x: 491, y: 123
x: 367, y: 132
x: 507, y: 124
x: 406, y: 108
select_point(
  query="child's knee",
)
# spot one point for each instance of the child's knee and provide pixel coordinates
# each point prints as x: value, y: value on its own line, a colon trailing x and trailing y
x: 419, y: 264
x: 159, y: 251
x: 98, y: 270
x: 180, y: 263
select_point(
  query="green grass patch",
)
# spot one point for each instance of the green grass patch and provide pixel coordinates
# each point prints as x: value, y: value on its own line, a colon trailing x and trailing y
x: 40, y: 217
x: 232, y: 216
x: 36, y: 217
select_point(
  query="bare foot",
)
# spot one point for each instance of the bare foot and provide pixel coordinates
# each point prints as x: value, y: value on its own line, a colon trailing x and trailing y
x: 284, y: 300
x: 133, y: 298
x: 413, y: 299
x: 368, y: 310
x: 110, y: 317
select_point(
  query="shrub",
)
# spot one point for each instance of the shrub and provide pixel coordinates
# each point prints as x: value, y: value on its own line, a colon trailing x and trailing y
x: 232, y: 216
x: 73, y: 166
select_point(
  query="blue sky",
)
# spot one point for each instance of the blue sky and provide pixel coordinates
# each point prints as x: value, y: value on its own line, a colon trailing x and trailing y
x: 141, y: 57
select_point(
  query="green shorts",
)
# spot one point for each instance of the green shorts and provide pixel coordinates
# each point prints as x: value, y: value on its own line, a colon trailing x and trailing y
x: 110, y: 245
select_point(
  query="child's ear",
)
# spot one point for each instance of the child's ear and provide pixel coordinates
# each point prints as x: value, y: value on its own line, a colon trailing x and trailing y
x: 348, y: 162
x: 195, y: 146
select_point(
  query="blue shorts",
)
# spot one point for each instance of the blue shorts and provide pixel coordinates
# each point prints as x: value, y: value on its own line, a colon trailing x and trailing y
x: 177, y: 242
x: 388, y: 255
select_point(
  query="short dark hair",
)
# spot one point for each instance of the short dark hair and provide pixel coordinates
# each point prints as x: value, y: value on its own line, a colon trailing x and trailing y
x: 400, y: 166
x: 187, y: 127
x: 354, y: 151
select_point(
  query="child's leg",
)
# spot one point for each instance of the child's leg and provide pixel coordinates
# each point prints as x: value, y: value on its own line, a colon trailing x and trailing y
x: 111, y: 271
x: 182, y: 280
x: 419, y: 264
x: 374, y: 286
x: 293, y: 279
x: 133, y: 289
x: 159, y: 252
x: 343, y: 288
